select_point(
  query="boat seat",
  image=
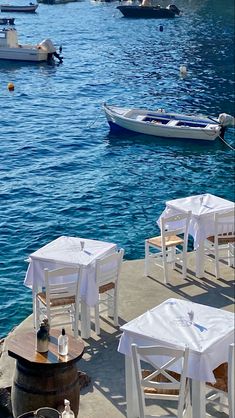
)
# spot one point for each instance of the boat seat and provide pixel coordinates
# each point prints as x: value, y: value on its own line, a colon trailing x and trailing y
x: 140, y: 117
x: 172, y: 123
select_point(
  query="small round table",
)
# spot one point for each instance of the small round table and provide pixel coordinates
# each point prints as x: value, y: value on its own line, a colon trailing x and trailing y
x: 44, y: 379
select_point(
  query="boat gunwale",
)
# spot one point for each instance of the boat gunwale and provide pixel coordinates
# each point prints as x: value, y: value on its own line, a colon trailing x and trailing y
x: 210, y: 130
x: 162, y: 113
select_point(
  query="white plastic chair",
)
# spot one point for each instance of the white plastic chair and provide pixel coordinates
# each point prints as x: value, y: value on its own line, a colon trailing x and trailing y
x: 107, y: 278
x: 224, y: 388
x: 168, y: 244
x: 61, y: 298
x: 221, y: 245
x: 160, y: 383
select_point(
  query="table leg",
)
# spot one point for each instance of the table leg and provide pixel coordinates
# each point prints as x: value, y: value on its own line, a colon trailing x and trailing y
x: 131, y: 391
x: 200, y: 260
x: 231, y: 255
x: 85, y: 320
x: 198, y: 399
x: 35, y: 290
x: 34, y: 310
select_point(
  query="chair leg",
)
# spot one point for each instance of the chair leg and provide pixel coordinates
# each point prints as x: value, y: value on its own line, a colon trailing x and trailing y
x: 165, y: 266
x: 115, y: 308
x: 146, y: 261
x: 217, y: 272
x: 165, y: 272
x: 171, y: 256
x: 184, y: 266
x: 75, y: 322
x: 110, y: 302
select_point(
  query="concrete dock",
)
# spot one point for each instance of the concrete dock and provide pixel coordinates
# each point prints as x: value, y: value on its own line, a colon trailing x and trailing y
x: 105, y: 395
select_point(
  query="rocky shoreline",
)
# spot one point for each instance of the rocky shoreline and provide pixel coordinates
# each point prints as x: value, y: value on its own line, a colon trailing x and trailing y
x: 5, y: 395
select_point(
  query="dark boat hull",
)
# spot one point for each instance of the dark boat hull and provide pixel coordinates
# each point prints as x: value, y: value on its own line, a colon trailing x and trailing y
x: 7, y: 21
x: 24, y: 9
x: 146, y: 12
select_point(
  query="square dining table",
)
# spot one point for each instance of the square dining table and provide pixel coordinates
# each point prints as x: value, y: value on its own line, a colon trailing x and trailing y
x: 203, y: 208
x: 73, y: 252
x: 207, y: 335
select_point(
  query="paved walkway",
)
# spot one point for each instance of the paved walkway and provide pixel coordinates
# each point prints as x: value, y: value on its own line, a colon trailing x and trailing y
x: 105, y: 396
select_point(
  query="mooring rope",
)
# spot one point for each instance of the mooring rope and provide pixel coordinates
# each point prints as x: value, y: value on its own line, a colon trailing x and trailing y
x: 226, y: 143
x: 89, y: 125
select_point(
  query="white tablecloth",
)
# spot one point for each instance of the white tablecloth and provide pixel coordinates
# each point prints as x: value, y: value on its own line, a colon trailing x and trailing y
x: 67, y: 251
x: 168, y: 324
x: 203, y: 208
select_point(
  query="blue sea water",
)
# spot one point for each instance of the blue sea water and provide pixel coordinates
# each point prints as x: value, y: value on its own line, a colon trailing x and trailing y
x: 63, y: 173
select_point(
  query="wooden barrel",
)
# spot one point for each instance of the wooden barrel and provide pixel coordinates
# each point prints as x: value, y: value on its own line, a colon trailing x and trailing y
x: 27, y: 415
x: 44, y: 379
x: 37, y: 386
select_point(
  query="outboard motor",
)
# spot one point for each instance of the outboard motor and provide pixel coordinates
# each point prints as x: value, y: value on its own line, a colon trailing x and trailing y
x: 48, y: 46
x: 174, y: 9
x: 226, y: 120
x: 58, y: 57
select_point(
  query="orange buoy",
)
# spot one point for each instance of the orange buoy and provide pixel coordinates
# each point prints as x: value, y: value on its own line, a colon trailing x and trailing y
x: 11, y: 87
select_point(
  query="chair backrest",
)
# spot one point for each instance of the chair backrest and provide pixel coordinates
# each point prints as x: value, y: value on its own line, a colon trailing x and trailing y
x: 224, y: 224
x: 62, y: 283
x: 231, y: 379
x: 161, y: 359
x: 108, y: 268
x: 175, y: 225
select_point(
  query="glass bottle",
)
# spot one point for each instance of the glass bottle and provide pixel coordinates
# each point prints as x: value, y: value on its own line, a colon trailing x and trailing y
x: 63, y: 343
x: 42, y: 339
x: 67, y: 413
x: 47, y: 325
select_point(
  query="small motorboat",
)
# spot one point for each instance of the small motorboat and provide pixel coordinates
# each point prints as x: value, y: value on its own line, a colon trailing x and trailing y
x: 10, y: 49
x: 160, y: 123
x: 31, y: 8
x: 142, y: 11
x: 7, y: 21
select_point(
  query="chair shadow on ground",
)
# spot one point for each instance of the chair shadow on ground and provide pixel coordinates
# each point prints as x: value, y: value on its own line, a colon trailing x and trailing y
x: 218, y: 293
x: 105, y: 366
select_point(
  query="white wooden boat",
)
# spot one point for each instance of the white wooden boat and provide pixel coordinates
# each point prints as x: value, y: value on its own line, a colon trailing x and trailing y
x: 30, y: 8
x: 10, y: 49
x: 168, y: 125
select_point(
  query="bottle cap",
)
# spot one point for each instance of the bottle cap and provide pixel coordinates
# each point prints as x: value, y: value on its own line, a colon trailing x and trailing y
x: 63, y: 331
x: 66, y: 402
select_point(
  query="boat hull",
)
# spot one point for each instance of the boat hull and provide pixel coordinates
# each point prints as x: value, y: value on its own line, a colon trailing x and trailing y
x: 117, y: 122
x: 7, y: 21
x: 23, y: 54
x: 145, y: 12
x: 23, y: 9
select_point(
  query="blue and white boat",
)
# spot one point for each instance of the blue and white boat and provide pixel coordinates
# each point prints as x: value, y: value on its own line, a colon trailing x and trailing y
x: 160, y: 123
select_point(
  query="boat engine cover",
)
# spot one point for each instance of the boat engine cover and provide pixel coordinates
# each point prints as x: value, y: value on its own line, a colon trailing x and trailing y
x: 226, y: 120
x: 47, y: 46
